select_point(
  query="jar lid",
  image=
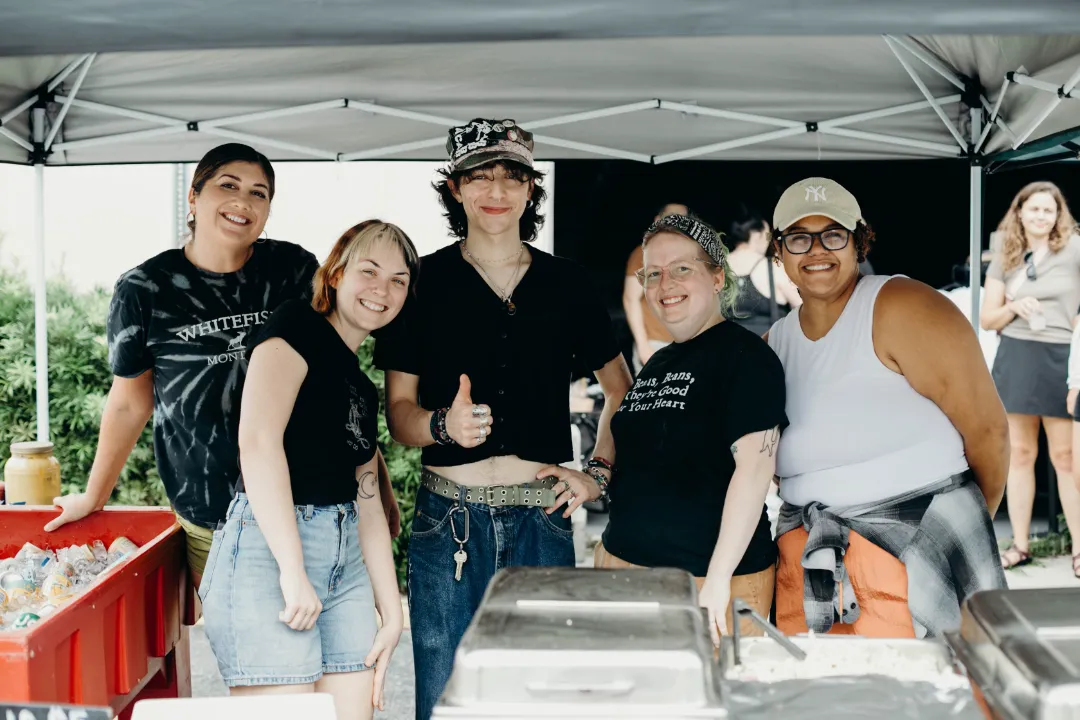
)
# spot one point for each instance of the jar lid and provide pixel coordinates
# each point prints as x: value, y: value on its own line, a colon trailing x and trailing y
x: 32, y: 447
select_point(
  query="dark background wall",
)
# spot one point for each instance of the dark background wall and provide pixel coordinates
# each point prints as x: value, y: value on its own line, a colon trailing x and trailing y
x: 918, y: 208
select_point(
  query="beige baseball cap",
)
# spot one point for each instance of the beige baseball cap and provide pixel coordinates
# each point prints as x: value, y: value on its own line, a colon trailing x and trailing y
x: 817, y: 196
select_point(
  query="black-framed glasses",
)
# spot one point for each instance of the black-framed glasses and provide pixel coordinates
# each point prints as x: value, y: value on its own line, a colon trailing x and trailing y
x: 1029, y: 260
x: 833, y: 239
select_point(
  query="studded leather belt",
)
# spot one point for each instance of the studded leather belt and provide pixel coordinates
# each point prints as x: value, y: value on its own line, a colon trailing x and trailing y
x: 538, y: 493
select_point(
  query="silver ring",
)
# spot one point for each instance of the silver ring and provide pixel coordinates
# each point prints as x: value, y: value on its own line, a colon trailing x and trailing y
x: 483, y: 432
x: 479, y: 438
x: 478, y: 411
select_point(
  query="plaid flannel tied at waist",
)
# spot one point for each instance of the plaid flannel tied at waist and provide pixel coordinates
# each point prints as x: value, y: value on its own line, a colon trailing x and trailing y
x: 942, y: 533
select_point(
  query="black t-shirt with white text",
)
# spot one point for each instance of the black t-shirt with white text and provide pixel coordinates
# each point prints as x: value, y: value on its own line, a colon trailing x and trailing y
x: 334, y: 425
x: 673, y: 435
x: 188, y: 326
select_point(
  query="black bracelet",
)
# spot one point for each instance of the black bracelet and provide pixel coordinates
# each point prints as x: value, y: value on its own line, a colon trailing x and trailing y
x: 599, y: 462
x: 438, y: 427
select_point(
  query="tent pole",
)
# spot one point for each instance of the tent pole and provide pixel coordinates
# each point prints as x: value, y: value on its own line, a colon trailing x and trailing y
x: 41, y: 342
x: 975, y: 249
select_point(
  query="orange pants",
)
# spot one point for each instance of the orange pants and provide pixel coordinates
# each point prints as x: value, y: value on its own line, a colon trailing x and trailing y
x: 878, y: 579
x: 756, y: 589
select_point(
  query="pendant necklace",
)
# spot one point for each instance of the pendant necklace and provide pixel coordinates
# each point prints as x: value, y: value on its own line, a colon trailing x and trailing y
x: 504, y: 296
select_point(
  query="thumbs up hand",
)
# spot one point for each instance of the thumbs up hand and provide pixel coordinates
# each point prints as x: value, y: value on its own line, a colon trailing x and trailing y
x: 469, y: 425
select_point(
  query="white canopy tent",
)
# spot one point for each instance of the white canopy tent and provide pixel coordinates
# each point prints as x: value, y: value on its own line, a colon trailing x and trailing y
x: 990, y: 101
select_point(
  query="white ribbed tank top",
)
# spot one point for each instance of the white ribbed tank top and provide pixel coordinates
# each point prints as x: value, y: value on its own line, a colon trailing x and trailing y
x: 859, y: 432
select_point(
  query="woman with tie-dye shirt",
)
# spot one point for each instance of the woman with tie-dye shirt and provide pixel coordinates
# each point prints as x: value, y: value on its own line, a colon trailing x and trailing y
x: 176, y: 331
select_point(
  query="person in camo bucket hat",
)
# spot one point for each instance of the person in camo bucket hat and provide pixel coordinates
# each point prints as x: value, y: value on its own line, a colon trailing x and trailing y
x: 485, y: 141
x: 476, y: 374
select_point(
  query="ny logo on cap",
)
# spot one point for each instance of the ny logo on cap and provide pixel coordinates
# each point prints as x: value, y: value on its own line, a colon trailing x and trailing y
x: 815, y: 193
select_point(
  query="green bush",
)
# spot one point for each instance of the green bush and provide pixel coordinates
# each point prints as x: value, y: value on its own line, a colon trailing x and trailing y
x: 79, y: 380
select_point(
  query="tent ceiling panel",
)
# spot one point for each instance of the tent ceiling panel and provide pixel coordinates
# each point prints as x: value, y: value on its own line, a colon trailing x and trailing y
x: 790, y: 80
x: 62, y: 26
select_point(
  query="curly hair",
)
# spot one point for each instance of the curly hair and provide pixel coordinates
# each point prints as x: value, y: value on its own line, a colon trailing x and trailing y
x: 531, y: 220
x: 864, y: 238
x: 1012, y: 230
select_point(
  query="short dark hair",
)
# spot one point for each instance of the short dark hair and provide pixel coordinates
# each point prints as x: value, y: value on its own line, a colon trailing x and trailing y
x: 221, y: 156
x: 864, y: 237
x: 660, y: 208
x: 456, y: 220
x: 740, y: 230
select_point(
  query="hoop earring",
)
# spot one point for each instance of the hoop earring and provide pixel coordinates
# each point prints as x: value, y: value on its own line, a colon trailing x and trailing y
x: 190, y: 218
x: 528, y: 203
x: 263, y: 239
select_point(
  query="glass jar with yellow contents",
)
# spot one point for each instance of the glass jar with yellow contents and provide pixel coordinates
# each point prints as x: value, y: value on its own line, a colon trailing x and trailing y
x: 31, y: 474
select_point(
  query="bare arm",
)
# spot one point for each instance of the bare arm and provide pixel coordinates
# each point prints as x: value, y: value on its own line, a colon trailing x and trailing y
x: 995, y: 313
x: 409, y: 423
x: 375, y: 544
x: 755, y: 465
x: 635, y: 316
x: 615, y: 381
x: 127, y: 408
x: 386, y: 492
x: 922, y: 335
x: 784, y: 287
x: 275, y: 373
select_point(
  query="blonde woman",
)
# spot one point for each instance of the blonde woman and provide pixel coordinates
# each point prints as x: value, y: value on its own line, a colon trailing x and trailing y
x: 697, y: 434
x: 304, y: 560
x: 1032, y: 295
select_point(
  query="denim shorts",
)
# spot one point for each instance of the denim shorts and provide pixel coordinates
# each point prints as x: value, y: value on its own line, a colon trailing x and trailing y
x: 241, y: 596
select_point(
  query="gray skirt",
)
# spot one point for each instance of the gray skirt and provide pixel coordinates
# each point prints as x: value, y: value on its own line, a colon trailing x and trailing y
x: 1031, y: 377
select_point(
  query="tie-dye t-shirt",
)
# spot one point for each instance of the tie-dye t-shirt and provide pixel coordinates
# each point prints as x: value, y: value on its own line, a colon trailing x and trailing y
x: 188, y: 326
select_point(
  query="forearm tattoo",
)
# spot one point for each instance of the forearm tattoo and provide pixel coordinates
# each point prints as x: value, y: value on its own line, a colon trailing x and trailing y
x: 369, y: 486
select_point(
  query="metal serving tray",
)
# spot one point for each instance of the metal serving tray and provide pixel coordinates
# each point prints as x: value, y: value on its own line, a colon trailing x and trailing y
x: 564, y: 642
x: 1022, y: 649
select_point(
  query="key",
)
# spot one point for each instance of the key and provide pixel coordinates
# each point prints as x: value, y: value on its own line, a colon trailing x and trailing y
x: 460, y: 557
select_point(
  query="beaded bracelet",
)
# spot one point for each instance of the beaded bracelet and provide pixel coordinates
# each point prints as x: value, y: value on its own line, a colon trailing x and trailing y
x: 438, y: 427
x: 599, y: 477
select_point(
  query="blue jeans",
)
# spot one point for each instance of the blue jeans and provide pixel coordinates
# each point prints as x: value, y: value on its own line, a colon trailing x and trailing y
x: 241, y: 595
x: 440, y: 608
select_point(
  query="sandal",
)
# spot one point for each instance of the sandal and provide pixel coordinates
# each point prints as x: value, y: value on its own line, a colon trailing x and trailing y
x: 1076, y: 565
x: 1013, y: 557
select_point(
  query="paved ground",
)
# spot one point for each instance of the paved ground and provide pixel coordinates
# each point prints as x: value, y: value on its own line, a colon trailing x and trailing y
x: 1052, y: 572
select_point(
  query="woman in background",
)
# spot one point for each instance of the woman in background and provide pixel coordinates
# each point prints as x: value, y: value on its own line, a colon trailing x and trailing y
x: 1032, y: 295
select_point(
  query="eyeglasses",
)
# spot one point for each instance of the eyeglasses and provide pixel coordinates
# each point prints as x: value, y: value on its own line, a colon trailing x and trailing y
x: 679, y: 271
x: 1029, y: 260
x: 832, y: 239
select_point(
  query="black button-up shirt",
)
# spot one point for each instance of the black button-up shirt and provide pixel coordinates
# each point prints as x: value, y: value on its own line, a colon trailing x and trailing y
x: 520, y: 365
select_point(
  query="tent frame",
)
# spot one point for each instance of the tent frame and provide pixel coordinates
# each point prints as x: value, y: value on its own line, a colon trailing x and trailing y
x: 42, y: 143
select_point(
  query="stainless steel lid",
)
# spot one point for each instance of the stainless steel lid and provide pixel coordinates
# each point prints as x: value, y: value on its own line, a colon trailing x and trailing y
x: 522, y: 585
x: 1022, y: 648
x: 587, y: 638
